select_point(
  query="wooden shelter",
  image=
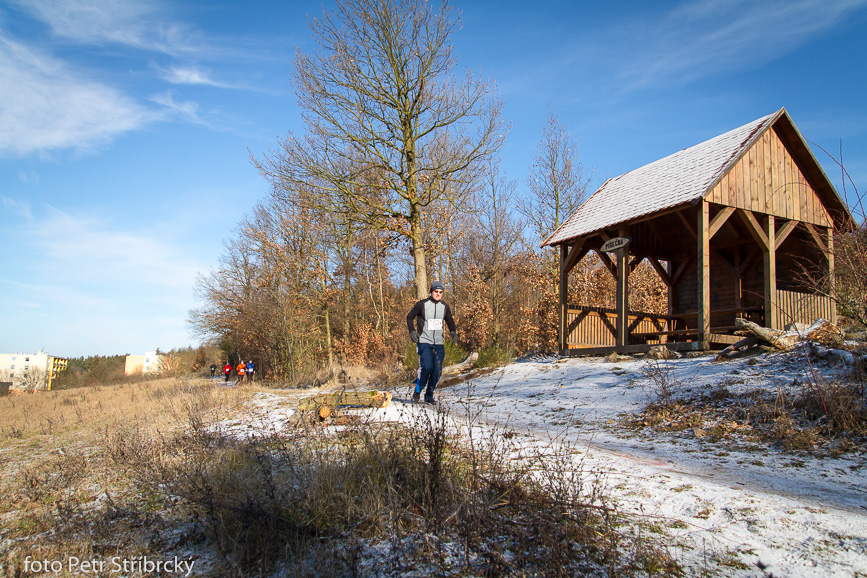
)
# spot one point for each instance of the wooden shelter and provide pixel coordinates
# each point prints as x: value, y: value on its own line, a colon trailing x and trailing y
x: 727, y: 224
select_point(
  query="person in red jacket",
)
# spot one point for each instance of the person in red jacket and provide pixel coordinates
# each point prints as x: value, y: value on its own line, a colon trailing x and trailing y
x: 227, y: 370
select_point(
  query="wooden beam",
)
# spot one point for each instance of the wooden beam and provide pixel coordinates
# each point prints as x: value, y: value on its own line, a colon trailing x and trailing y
x: 687, y: 224
x: 623, y: 293
x: 703, y: 280
x: 606, y: 260
x: 654, y: 228
x: 576, y: 253
x: 816, y: 237
x: 635, y: 261
x: 663, y: 274
x: 732, y: 229
x: 785, y: 231
x: 750, y: 260
x: 770, y: 259
x: 564, y: 295
x: 754, y: 228
x: 724, y: 259
x: 680, y: 269
x: 719, y: 220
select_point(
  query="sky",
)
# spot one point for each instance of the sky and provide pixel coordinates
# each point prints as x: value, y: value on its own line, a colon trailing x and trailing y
x: 126, y: 127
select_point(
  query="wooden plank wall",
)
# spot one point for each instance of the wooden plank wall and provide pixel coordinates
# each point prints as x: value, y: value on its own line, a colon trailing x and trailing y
x: 799, y: 307
x: 723, y: 287
x: 767, y: 180
x: 592, y: 329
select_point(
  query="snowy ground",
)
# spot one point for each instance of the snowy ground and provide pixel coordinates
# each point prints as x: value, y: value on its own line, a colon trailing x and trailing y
x: 767, y: 511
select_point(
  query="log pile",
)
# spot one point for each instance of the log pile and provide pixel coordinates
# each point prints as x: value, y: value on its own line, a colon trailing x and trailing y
x: 820, y: 331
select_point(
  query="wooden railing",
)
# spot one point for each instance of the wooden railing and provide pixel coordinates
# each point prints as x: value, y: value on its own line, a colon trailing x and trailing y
x: 595, y: 326
x: 798, y: 307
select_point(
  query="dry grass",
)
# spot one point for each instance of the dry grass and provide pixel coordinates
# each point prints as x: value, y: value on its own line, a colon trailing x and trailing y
x: 138, y: 471
x: 65, y: 415
x: 63, y: 498
x: 826, y: 418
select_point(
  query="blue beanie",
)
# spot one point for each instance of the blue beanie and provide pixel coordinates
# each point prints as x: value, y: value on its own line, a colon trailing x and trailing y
x: 437, y: 285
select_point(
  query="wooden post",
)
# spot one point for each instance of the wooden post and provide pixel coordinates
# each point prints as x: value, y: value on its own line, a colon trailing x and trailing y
x: 669, y: 323
x: 770, y: 258
x: 623, y: 293
x: 564, y: 294
x: 703, y: 238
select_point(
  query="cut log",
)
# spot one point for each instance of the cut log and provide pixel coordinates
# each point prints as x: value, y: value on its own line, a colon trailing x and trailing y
x: 825, y: 333
x: 778, y: 339
x: 821, y: 331
x: 346, y: 399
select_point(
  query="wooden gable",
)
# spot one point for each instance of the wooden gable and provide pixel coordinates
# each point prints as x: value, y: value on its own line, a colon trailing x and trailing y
x: 768, y: 180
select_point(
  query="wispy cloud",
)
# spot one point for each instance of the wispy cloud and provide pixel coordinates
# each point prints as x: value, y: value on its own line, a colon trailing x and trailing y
x: 693, y: 41
x: 189, y: 75
x: 28, y: 177
x: 83, y: 247
x: 701, y: 38
x: 45, y: 106
x: 17, y: 207
x: 138, y: 24
x: 188, y: 110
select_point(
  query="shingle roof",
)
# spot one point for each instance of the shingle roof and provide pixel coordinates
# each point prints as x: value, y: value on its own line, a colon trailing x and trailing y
x: 677, y: 179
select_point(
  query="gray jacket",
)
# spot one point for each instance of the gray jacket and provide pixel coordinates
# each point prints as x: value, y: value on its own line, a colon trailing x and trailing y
x: 427, y: 317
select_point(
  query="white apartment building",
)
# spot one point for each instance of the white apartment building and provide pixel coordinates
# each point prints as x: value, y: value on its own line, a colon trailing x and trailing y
x: 150, y: 362
x: 30, y: 370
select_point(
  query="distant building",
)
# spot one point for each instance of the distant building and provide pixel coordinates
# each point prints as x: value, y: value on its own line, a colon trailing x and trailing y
x: 150, y: 362
x: 30, y: 370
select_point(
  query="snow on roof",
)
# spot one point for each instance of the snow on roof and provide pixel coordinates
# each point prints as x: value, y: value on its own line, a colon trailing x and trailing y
x: 671, y: 181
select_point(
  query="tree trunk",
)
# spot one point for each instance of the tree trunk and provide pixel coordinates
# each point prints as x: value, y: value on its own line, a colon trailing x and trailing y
x: 418, y: 256
x: 328, y: 346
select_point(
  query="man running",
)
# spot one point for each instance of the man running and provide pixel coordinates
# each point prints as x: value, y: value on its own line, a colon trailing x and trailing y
x: 425, y: 324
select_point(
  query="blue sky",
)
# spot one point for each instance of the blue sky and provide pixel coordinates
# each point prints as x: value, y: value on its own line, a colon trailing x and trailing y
x: 125, y: 126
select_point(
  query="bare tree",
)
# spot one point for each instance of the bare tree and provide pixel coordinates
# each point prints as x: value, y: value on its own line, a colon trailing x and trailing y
x: 494, y: 243
x: 32, y: 380
x: 557, y: 183
x: 389, y: 129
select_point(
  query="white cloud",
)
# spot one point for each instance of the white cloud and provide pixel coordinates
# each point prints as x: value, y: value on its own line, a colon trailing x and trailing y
x: 188, y: 75
x: 138, y: 24
x: 44, y: 106
x: 187, y: 109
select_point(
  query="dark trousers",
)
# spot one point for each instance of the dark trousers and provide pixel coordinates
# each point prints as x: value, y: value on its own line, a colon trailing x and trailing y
x: 430, y: 359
